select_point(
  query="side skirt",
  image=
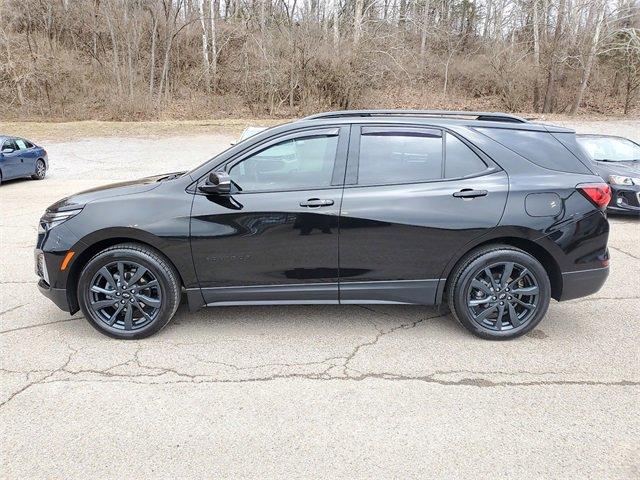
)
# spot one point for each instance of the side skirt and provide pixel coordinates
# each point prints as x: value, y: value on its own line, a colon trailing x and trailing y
x: 412, y: 292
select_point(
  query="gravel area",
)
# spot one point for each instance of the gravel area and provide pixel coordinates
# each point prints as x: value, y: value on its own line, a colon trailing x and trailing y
x: 306, y: 391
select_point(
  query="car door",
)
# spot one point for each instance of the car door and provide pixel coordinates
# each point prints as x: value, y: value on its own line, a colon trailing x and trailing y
x: 11, y: 160
x: 27, y: 165
x: 413, y: 197
x: 275, y: 237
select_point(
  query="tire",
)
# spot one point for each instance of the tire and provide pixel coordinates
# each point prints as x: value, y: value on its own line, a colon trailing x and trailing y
x: 523, y: 301
x: 41, y: 170
x: 152, y: 299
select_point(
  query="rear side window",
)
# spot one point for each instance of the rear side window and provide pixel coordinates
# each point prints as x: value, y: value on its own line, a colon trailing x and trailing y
x: 399, y: 156
x: 460, y: 160
x: 390, y: 155
x: 21, y: 144
x: 538, y: 147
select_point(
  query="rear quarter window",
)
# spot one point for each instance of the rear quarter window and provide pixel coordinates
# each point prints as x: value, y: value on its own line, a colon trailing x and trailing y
x: 541, y: 148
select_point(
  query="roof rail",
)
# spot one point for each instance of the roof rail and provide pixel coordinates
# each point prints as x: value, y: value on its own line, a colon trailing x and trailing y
x: 489, y: 116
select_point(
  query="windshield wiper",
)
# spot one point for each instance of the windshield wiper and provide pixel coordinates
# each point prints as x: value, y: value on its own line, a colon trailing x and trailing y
x: 171, y: 177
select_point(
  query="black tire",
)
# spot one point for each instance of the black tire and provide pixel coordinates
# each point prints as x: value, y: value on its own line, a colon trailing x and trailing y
x: 471, y: 293
x: 159, y: 286
x: 41, y: 170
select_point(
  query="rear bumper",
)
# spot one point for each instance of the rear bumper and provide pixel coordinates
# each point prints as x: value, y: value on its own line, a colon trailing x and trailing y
x: 56, y: 295
x: 582, y: 283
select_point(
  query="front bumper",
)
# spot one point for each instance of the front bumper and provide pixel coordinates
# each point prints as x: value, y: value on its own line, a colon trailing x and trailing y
x: 56, y: 295
x: 582, y: 283
x: 625, y: 199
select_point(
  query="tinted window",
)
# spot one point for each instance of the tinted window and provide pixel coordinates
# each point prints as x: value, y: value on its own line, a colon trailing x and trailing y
x: 460, y: 159
x: 399, y: 157
x: 9, y: 144
x: 541, y: 148
x: 22, y: 145
x: 301, y: 163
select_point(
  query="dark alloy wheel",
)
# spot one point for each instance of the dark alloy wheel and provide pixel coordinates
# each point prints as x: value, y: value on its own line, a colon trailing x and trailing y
x: 503, y: 296
x: 499, y: 292
x: 125, y: 295
x: 41, y: 170
x: 128, y: 291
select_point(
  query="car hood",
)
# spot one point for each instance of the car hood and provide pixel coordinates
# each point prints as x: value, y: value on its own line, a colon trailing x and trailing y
x: 107, y: 191
x: 627, y: 169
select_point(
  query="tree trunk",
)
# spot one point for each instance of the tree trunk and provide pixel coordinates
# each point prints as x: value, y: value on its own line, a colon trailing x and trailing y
x: 592, y: 55
x: 214, y: 45
x: 152, y: 61
x: 205, y: 47
x: 336, y: 25
x: 357, y: 22
x: 550, y: 94
x: 536, y: 56
x: 423, y: 34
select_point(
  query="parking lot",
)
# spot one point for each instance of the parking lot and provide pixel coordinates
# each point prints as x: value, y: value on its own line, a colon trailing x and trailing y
x: 306, y: 391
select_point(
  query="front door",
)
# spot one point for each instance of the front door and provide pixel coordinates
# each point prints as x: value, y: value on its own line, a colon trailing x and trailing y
x: 275, y: 237
x: 12, y: 165
x: 413, y: 198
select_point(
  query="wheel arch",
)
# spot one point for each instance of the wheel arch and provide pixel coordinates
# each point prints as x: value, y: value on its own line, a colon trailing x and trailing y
x: 94, y: 247
x: 531, y: 247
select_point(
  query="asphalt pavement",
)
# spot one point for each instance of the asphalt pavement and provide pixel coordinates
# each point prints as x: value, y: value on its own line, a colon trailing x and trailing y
x: 304, y: 391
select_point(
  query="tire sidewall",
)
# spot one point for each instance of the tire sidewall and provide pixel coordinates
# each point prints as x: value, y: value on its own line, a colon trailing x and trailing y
x: 96, y: 263
x: 471, y: 270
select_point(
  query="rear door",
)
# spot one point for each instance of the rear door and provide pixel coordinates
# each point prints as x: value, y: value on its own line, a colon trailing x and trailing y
x: 27, y: 164
x: 413, y: 197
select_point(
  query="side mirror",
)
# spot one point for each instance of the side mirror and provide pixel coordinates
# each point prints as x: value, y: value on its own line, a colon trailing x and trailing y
x: 8, y: 150
x: 217, y: 183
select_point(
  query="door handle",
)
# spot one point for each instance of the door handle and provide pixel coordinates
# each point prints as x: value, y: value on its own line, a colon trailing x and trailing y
x: 316, y: 202
x: 470, y: 193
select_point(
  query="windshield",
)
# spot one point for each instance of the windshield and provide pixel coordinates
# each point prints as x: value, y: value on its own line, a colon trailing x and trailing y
x: 251, y: 131
x: 246, y: 134
x: 611, y: 149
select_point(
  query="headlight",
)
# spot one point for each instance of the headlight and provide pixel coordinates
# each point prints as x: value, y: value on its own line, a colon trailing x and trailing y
x: 52, y: 219
x: 620, y: 180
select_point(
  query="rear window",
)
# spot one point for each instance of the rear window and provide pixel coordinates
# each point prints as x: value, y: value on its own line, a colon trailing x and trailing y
x: 541, y: 148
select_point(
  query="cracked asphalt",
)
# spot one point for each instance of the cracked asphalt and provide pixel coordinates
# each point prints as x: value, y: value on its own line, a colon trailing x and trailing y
x: 304, y: 391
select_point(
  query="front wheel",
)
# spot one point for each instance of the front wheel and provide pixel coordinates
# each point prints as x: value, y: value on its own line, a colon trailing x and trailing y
x: 499, y: 292
x: 129, y: 291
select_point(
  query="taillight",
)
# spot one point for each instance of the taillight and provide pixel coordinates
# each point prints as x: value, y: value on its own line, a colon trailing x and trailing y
x: 598, y: 193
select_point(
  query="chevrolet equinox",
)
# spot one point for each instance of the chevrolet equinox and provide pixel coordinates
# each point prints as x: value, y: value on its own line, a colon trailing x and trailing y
x: 487, y: 214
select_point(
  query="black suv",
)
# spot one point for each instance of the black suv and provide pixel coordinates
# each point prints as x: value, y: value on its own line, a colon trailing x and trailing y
x: 484, y: 212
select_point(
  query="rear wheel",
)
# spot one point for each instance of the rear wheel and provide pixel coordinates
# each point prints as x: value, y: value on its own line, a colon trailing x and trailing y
x: 41, y: 170
x: 499, y: 292
x: 129, y: 291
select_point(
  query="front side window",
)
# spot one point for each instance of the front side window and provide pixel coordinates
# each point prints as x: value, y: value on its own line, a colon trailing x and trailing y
x: 9, y: 144
x: 388, y: 157
x: 296, y: 164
